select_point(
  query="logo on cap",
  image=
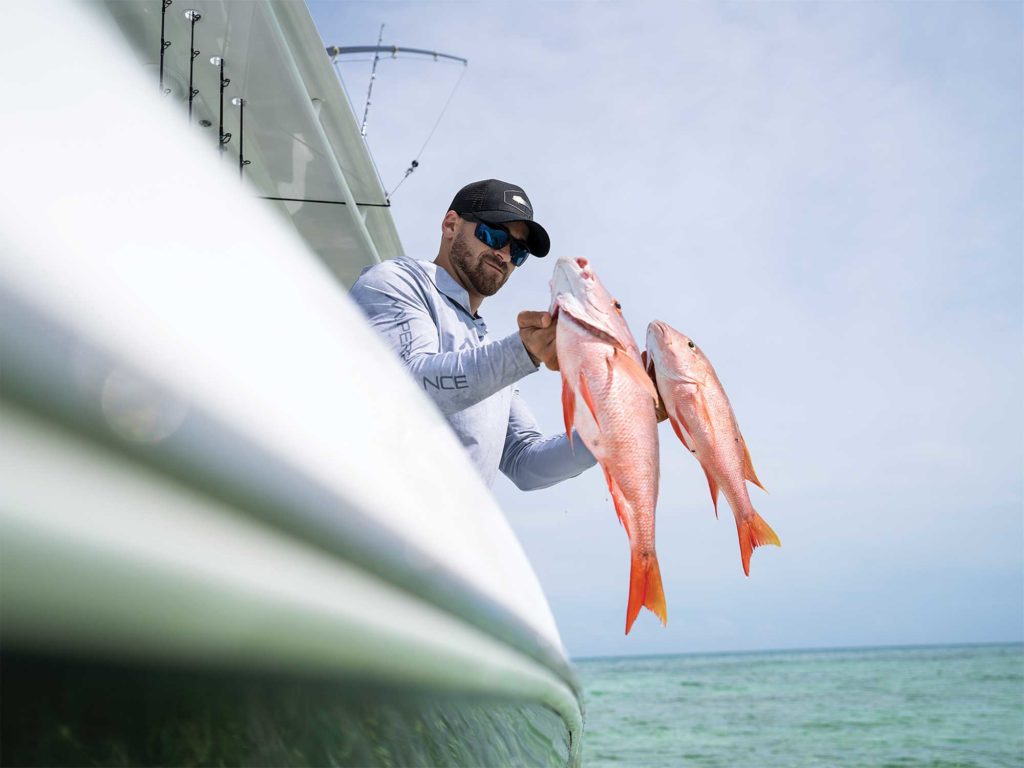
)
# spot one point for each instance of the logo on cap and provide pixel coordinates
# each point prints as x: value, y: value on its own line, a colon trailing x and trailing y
x: 516, y: 198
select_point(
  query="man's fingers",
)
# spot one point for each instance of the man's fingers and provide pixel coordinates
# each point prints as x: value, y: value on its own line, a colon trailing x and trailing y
x: 531, y: 319
x: 551, y: 354
x: 537, y: 330
x: 528, y: 319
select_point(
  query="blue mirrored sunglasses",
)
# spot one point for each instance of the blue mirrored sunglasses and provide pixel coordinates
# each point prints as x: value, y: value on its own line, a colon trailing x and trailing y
x: 497, y: 237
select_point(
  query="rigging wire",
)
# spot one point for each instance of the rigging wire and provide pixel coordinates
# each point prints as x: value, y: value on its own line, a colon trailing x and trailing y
x: 373, y: 160
x: 416, y: 160
x: 344, y: 85
x: 323, y: 202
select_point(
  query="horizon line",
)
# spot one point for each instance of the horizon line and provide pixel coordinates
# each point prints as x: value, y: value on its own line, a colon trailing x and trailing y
x: 808, y: 649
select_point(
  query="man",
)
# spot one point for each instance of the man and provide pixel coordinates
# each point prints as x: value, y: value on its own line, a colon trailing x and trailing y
x: 428, y: 313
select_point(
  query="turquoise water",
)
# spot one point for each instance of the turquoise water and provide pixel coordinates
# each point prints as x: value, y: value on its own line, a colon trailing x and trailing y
x: 939, y: 706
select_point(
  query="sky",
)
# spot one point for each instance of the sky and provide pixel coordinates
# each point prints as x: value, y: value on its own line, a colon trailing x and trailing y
x: 829, y: 199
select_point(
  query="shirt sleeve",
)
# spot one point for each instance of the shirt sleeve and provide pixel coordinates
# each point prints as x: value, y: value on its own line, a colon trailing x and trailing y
x: 533, y: 461
x: 398, y: 310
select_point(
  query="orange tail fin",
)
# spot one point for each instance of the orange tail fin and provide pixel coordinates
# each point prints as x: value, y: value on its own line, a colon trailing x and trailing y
x: 645, y: 588
x: 753, y: 533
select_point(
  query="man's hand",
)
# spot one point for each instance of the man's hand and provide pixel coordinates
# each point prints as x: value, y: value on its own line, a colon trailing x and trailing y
x: 537, y: 330
x: 659, y: 409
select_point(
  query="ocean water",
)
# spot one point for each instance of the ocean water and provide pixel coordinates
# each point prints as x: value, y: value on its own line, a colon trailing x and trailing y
x: 938, y: 706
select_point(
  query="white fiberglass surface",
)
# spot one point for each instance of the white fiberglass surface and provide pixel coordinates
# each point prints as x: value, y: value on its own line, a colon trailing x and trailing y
x: 118, y: 222
x: 125, y: 562
x: 300, y: 137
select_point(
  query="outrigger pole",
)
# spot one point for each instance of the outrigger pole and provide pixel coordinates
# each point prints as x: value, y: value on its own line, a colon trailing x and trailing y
x: 334, y: 51
x: 394, y: 50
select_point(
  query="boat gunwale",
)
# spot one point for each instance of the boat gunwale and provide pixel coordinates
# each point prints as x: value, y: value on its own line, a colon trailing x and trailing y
x: 212, y: 458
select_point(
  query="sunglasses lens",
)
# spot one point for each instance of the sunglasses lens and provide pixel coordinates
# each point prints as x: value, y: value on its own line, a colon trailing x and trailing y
x: 491, y: 237
x: 496, y: 238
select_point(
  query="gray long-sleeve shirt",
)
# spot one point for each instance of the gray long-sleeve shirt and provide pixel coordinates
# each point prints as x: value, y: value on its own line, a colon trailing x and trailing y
x: 423, y: 314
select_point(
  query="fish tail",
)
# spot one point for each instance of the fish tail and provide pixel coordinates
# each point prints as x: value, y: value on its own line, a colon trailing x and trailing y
x: 645, y: 588
x: 754, y: 532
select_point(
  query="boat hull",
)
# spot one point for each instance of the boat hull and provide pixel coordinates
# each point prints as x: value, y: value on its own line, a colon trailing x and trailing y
x: 78, y: 711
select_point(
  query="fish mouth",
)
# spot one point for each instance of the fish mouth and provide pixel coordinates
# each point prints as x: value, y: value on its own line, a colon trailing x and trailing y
x: 656, y: 339
x: 658, y: 330
x: 660, y: 351
x: 588, y: 327
x: 572, y: 297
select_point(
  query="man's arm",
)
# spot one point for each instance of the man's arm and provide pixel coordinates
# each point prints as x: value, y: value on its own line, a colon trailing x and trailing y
x: 397, y: 310
x: 531, y: 460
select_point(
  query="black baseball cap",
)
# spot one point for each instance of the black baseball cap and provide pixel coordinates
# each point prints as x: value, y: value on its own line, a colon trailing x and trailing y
x: 498, y: 202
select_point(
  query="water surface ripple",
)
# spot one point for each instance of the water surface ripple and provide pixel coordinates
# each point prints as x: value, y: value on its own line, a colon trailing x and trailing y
x: 939, y: 706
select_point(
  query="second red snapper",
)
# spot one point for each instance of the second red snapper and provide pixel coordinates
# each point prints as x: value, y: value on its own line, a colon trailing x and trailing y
x: 608, y: 396
x: 705, y: 423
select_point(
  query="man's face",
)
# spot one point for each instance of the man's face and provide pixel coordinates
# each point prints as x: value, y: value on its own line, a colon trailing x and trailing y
x: 482, y: 269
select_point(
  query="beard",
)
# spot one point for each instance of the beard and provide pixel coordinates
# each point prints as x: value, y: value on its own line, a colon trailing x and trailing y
x: 480, y: 277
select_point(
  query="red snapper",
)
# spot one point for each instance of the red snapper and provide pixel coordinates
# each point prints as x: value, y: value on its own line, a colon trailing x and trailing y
x: 609, y: 398
x: 705, y: 423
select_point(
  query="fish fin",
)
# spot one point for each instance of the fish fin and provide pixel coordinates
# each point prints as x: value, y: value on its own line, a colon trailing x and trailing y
x: 702, y: 403
x: 753, y: 533
x: 748, y: 467
x: 678, y: 429
x: 588, y: 398
x: 714, y: 490
x: 679, y: 425
x: 636, y: 372
x: 568, y: 408
x: 682, y: 431
x: 617, y: 499
x: 645, y: 588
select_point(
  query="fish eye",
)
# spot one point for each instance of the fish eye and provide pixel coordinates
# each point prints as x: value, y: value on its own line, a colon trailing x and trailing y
x: 692, y: 345
x: 618, y: 306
